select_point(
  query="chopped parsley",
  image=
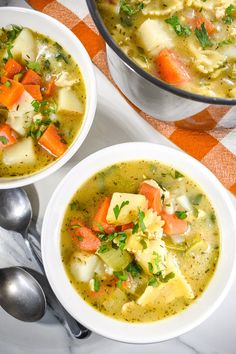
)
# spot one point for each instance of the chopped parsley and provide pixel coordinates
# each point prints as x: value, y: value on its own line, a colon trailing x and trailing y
x: 197, y: 199
x: 117, y: 208
x: 180, y: 30
x: 122, y: 276
x: 36, y: 105
x: 165, y: 279
x: 3, y: 140
x: 122, y: 240
x: 134, y: 269
x: 150, y: 267
x: 228, y: 19
x: 157, y: 261
x: 62, y: 56
x: 96, y: 283
x: 178, y: 175
x: 181, y: 214
x: 127, y: 11
x: 202, y: 36
x: 8, y: 84
x: 143, y: 243
x: 153, y: 282
x: 141, y: 216
x: 103, y: 248
x: 135, y: 228
x: 34, y: 65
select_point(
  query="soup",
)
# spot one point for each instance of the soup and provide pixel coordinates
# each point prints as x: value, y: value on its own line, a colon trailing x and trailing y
x: 187, y: 43
x: 140, y: 241
x: 42, y: 101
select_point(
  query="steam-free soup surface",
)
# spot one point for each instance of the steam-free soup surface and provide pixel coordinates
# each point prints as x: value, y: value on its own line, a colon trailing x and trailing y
x: 42, y: 101
x: 187, y: 43
x: 140, y: 241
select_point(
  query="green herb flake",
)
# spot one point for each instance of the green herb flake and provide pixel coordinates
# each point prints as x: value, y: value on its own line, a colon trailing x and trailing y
x: 135, y: 228
x: 195, y: 212
x: 228, y: 19
x: 62, y: 56
x: 181, y: 214
x: 197, y: 199
x: 103, y: 248
x: 177, y: 175
x: 153, y: 282
x: 3, y: 140
x: 134, y: 269
x: 141, y: 216
x: 150, y: 267
x: 165, y: 279
x: 80, y: 238
x: 122, y: 240
x: 202, y: 36
x: 182, y: 31
x: 96, y: 283
x: 74, y: 206
x: 36, y: 105
x: 8, y: 84
x: 143, y: 243
x: 34, y: 65
x: 117, y: 208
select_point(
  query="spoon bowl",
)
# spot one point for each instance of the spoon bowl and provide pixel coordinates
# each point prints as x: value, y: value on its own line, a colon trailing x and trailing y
x: 21, y: 295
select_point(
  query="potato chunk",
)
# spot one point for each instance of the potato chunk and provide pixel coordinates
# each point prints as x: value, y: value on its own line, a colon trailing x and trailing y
x: 128, y: 212
x: 21, y: 114
x: 83, y: 266
x: 154, y: 34
x: 68, y: 102
x: 24, y: 47
x: 21, y: 152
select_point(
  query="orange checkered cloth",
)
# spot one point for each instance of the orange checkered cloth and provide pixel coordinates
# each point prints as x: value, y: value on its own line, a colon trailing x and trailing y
x: 209, y: 136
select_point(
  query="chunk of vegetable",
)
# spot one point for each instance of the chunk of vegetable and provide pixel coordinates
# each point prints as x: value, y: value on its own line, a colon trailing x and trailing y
x: 184, y: 202
x: 153, y: 196
x: 116, y: 299
x: 24, y: 47
x: 173, y: 225
x: 171, y: 69
x: 116, y: 259
x: 52, y: 141
x: 154, y: 34
x: 68, y: 102
x: 85, y: 238
x: 129, y: 211
x: 10, y: 92
x: 12, y: 67
x: 50, y: 89
x: 19, y: 153
x: 31, y: 78
x: 100, y: 221
x: 83, y: 266
x: 154, y: 254
x: 7, y: 136
x: 21, y: 113
x: 34, y: 91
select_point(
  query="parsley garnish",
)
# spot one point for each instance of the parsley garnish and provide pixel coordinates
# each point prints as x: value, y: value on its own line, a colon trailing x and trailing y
x: 135, y: 228
x: 117, y: 208
x: 183, y: 31
x: 8, y: 84
x: 153, y: 282
x: 143, y: 243
x: 157, y: 260
x: 178, y: 175
x: 202, y: 36
x: 134, y: 269
x: 181, y: 214
x: 3, y: 140
x: 36, y: 104
x: 141, y: 216
x: 103, y: 248
x: 96, y: 283
x: 127, y: 11
x: 150, y: 267
x: 62, y: 56
x: 122, y: 240
x: 34, y: 65
x: 197, y: 199
x: 165, y: 279
x: 121, y: 277
x: 228, y: 19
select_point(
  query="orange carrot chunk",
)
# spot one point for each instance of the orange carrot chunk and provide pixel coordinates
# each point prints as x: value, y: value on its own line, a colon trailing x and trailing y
x: 100, y: 220
x: 171, y: 69
x: 12, y: 67
x: 34, y: 91
x: 199, y: 20
x: 10, y: 92
x: 31, y: 78
x: 7, y: 136
x: 50, y: 89
x: 173, y: 225
x: 52, y: 141
x: 84, y: 237
x: 153, y: 196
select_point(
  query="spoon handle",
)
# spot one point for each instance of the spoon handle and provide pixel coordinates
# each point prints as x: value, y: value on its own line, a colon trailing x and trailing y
x: 75, y: 328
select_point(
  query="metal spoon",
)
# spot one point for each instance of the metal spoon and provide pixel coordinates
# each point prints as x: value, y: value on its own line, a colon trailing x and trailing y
x: 21, y: 295
x: 16, y: 215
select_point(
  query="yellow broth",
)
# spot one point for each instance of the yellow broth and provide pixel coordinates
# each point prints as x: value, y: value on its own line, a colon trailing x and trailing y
x: 52, y: 62
x: 197, y: 267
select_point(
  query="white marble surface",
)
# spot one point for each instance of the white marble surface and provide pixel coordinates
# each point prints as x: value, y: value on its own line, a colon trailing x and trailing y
x: 115, y: 124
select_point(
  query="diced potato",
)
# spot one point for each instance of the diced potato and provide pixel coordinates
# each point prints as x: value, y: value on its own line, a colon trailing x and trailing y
x: 21, y: 114
x: 184, y: 202
x: 68, y: 102
x: 154, y: 34
x: 128, y: 212
x: 24, y: 47
x: 21, y: 152
x: 115, y: 300
x: 83, y: 266
x: 155, y: 249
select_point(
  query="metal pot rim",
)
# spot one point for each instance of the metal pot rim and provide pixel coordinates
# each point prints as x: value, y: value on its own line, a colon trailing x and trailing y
x: 182, y: 93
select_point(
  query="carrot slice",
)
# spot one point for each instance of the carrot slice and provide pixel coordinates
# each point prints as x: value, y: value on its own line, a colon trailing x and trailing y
x: 84, y: 237
x: 7, y: 136
x: 198, y: 20
x: 100, y: 220
x: 173, y: 225
x: 50, y: 89
x: 10, y: 92
x: 12, y: 67
x: 34, y: 91
x: 153, y: 196
x: 52, y: 141
x: 171, y: 69
x: 31, y: 78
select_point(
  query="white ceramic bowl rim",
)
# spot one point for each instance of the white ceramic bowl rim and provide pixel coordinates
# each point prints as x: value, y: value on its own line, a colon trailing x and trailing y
x: 173, y: 326
x: 58, y: 32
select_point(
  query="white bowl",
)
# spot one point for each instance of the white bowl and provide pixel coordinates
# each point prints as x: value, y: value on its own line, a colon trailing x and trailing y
x: 144, y: 332
x: 52, y: 28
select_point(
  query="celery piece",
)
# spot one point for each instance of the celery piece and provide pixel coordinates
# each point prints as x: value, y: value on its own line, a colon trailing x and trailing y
x: 115, y: 300
x: 116, y: 259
